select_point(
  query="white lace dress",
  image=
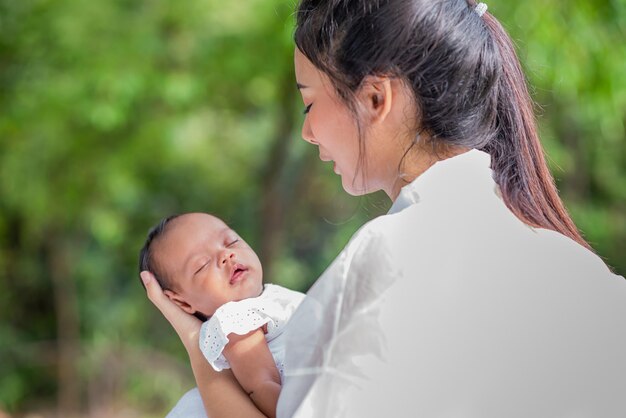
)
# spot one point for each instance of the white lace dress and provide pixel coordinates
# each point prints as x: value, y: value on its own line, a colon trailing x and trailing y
x: 273, y: 308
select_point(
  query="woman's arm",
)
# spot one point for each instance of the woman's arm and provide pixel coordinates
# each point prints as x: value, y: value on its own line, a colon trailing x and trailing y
x: 221, y: 394
x: 253, y: 365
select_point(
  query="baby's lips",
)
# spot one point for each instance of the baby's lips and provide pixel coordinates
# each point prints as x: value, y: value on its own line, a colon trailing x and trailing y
x: 235, y: 269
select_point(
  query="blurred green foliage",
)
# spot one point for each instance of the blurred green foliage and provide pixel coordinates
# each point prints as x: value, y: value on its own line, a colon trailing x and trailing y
x: 115, y: 114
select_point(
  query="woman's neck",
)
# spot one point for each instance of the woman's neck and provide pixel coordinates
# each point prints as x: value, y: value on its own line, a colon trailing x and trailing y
x: 416, y: 163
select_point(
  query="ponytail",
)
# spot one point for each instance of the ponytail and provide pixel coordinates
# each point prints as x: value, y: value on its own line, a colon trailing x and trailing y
x: 465, y: 77
x: 517, y: 156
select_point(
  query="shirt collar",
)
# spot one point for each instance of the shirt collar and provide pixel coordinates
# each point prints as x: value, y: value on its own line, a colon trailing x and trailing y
x: 473, y: 163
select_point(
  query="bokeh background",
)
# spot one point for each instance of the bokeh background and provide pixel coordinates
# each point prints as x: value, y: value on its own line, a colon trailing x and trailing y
x: 114, y: 114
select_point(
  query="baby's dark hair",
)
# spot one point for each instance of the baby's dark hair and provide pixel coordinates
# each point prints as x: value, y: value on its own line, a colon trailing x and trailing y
x: 146, y: 255
x: 148, y: 263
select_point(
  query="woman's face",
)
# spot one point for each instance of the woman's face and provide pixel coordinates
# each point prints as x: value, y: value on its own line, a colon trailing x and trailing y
x: 386, y: 112
x: 329, y: 124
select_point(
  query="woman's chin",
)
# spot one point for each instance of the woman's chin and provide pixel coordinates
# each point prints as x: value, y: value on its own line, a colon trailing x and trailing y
x: 353, y: 189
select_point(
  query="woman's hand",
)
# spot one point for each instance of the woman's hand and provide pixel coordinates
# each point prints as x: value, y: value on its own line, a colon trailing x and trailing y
x: 186, y: 326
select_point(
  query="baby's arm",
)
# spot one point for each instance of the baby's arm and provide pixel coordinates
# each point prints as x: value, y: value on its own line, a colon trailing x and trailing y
x: 253, y: 365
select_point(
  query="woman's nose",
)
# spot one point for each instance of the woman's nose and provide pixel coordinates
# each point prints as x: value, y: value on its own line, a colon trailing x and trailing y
x: 307, y: 133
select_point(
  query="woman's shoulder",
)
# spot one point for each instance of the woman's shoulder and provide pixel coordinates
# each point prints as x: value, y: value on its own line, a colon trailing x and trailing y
x: 382, y: 226
x: 393, y: 229
x: 418, y: 238
x: 571, y: 255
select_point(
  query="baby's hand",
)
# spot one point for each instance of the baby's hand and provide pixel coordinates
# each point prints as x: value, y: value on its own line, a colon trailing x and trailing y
x: 254, y: 367
x: 186, y: 326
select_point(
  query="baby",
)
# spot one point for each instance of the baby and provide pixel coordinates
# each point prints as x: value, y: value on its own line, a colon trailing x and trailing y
x: 210, y: 272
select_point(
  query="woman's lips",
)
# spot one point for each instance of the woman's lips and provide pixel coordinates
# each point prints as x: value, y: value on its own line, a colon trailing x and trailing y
x: 238, y: 273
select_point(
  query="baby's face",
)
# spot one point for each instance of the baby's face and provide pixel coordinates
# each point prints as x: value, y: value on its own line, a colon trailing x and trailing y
x: 208, y: 262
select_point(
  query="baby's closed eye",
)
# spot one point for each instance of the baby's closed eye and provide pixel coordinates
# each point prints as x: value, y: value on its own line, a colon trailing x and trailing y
x: 204, y: 264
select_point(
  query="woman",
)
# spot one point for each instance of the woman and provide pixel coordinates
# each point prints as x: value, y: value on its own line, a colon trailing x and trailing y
x: 476, y: 295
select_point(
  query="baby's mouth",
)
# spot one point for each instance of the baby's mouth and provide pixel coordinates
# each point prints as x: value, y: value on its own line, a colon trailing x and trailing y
x: 237, y: 273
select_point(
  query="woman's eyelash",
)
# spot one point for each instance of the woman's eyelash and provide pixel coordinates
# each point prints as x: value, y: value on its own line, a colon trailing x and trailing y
x: 306, y: 109
x: 233, y: 242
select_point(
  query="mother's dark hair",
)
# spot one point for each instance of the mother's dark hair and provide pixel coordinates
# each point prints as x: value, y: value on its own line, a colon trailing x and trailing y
x: 465, y: 77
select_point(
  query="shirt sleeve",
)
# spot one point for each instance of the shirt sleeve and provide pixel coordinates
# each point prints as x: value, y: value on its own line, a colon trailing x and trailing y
x: 335, y: 336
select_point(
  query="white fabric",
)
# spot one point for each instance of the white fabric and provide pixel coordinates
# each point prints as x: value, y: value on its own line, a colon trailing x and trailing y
x: 273, y: 307
x: 449, y: 306
x: 189, y: 406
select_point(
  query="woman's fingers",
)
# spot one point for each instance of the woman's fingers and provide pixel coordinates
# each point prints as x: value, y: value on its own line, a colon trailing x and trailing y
x: 154, y: 291
x: 156, y: 295
x: 187, y: 326
x: 152, y: 286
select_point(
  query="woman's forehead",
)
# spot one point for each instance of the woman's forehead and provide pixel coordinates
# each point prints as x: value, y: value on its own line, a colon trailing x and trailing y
x: 309, y: 78
x: 306, y: 73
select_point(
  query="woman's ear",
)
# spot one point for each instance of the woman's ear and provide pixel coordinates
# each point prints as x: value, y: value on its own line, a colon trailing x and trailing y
x: 376, y: 97
x: 182, y: 303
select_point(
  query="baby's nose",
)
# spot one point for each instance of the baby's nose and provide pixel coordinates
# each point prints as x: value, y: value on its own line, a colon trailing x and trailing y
x: 227, y: 255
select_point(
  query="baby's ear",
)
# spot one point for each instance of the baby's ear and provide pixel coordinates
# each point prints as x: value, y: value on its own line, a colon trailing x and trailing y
x: 178, y: 299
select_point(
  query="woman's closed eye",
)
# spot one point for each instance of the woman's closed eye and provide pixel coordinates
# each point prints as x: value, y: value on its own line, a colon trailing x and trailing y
x: 307, y: 109
x: 233, y: 242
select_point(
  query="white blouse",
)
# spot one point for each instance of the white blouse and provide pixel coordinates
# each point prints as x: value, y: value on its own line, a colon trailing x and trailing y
x: 449, y: 306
